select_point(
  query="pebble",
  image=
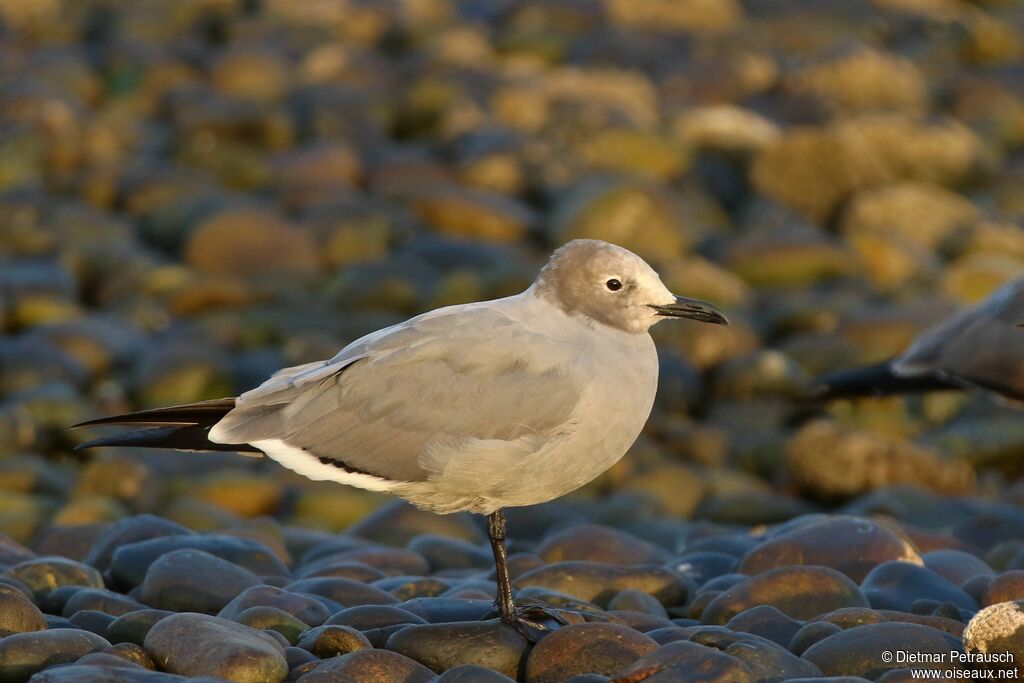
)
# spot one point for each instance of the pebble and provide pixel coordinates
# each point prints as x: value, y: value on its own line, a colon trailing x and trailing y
x: 858, y: 651
x: 193, y: 644
x: 897, y: 585
x: 397, y: 523
x: 345, y: 592
x: 440, y: 647
x: 188, y: 580
x: 131, y: 562
x: 332, y: 640
x: 586, y: 648
x: 305, y: 608
x: 852, y: 545
x: 637, y: 601
x: 23, y: 654
x: 763, y: 657
x: 372, y: 666
x: 101, y: 600
x: 597, y: 543
x: 443, y: 553
x: 18, y: 614
x: 133, y: 626
x: 598, y: 583
x: 110, y: 674
x: 44, y: 574
x: 472, y: 673
x: 956, y: 566
x: 264, y: 618
x: 797, y: 591
x: 376, y: 622
x: 766, y: 621
x: 686, y: 662
x: 998, y: 628
x: 129, y: 530
x: 1006, y: 587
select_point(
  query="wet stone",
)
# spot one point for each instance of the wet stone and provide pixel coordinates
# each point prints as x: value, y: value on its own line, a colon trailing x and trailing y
x: 797, y: 591
x: 190, y: 580
x: 586, y: 648
x: 440, y: 647
x: 200, y: 645
x: 23, y: 654
x: 333, y: 640
x: 897, y: 585
x: 305, y: 608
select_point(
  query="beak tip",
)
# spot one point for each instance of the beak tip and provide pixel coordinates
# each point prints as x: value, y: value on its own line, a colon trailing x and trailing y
x: 694, y: 310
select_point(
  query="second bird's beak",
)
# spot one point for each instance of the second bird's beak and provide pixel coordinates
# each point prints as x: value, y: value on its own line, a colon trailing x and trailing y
x: 692, y: 309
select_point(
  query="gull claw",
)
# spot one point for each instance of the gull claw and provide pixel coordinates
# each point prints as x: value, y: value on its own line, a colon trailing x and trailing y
x: 534, y: 620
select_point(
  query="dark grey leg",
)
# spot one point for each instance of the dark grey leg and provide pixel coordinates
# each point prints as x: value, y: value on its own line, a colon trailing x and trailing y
x: 506, y: 606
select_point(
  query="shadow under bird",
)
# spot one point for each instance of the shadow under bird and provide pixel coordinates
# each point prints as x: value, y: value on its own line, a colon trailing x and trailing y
x: 475, y: 407
x: 981, y: 347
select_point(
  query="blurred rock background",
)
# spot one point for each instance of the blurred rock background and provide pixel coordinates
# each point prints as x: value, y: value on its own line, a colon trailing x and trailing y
x: 196, y: 193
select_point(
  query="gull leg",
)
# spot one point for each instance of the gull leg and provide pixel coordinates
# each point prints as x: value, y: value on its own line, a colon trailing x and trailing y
x: 496, y: 526
x: 532, y: 621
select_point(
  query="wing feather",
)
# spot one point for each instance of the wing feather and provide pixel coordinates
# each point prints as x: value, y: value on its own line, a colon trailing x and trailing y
x: 389, y: 404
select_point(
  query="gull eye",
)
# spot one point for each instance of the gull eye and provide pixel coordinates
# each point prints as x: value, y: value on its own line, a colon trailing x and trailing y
x: 613, y: 285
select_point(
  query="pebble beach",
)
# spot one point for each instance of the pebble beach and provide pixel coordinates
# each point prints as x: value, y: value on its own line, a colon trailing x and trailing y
x: 195, y: 194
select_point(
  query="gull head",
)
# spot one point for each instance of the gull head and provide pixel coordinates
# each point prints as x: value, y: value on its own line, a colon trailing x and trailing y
x: 615, y: 287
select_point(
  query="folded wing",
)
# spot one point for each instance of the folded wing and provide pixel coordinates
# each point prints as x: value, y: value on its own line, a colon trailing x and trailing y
x: 387, y: 405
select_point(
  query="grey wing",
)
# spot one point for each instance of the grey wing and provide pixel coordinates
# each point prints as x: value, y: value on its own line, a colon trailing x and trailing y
x: 387, y: 404
x: 981, y: 346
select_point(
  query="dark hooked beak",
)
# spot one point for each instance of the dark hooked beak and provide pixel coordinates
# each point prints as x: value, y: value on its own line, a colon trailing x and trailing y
x: 692, y: 309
